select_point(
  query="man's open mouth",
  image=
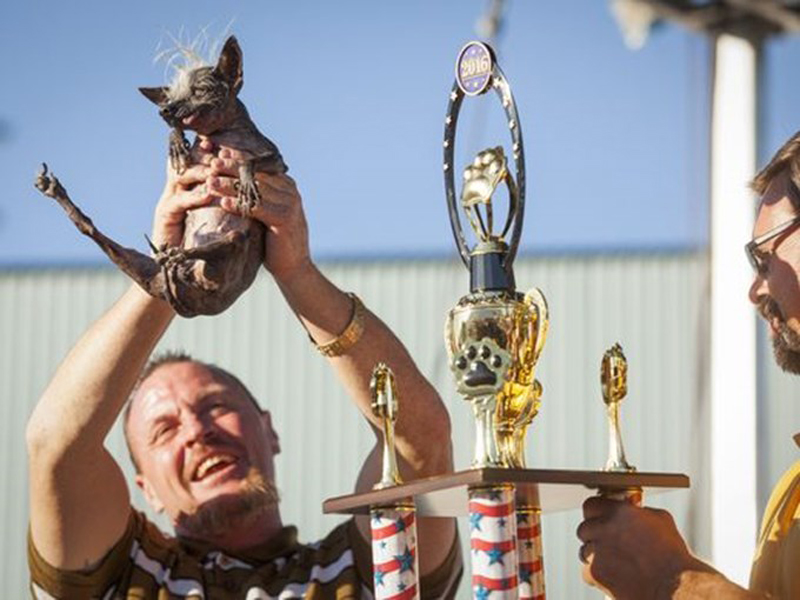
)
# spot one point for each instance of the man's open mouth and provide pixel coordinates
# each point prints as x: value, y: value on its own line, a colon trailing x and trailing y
x: 213, y: 465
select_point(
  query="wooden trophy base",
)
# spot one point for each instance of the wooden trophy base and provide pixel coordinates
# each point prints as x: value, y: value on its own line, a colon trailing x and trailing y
x: 550, y: 490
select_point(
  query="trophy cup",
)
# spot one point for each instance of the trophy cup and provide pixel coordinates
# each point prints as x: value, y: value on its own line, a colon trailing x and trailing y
x: 393, y: 525
x: 494, y: 337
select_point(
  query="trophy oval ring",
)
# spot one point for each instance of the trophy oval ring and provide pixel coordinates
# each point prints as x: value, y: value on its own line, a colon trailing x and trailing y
x: 476, y: 72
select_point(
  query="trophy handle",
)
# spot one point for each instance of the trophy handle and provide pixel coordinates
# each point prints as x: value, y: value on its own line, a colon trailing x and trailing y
x: 535, y: 298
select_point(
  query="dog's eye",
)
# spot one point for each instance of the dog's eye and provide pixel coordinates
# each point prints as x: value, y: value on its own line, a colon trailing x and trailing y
x: 203, y: 85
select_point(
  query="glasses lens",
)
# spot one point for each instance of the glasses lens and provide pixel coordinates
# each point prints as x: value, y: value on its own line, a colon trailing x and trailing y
x: 758, y: 261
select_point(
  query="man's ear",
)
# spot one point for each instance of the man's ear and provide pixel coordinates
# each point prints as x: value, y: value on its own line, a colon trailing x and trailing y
x: 274, y: 440
x: 156, y: 95
x: 149, y: 493
x: 229, y: 65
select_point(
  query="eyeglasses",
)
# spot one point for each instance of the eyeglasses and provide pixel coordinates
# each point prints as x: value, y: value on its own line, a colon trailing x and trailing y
x: 757, y: 259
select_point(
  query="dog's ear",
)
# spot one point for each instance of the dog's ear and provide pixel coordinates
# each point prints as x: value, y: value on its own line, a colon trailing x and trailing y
x: 156, y: 95
x: 229, y: 65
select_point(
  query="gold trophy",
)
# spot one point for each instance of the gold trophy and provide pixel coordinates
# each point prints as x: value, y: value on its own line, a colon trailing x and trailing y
x: 384, y: 406
x: 614, y: 383
x: 494, y: 335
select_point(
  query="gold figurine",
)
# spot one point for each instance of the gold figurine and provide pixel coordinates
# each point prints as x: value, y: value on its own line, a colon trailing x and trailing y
x: 614, y: 383
x: 384, y: 406
x: 481, y: 178
x: 494, y: 335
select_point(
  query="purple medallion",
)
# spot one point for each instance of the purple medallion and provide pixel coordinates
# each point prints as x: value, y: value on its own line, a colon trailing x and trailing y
x: 474, y: 68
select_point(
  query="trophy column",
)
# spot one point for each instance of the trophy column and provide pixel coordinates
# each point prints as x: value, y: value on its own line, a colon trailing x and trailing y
x: 529, y: 550
x: 395, y: 564
x: 394, y: 552
x: 493, y: 547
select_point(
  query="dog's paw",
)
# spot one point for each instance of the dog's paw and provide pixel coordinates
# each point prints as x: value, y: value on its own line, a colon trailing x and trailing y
x: 48, y: 184
x: 179, y: 152
x: 169, y: 256
x: 482, y: 177
x: 248, y: 197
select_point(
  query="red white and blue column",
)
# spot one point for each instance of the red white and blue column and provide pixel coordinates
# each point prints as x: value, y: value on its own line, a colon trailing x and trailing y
x: 493, y: 533
x: 529, y: 551
x: 394, y: 553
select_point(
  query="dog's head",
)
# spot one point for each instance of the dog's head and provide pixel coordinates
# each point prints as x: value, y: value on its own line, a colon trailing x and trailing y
x: 202, y: 99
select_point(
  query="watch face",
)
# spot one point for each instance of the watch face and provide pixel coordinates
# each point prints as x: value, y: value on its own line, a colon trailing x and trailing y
x: 474, y: 68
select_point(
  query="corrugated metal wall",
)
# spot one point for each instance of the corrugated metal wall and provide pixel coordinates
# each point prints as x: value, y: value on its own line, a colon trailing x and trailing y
x: 653, y: 304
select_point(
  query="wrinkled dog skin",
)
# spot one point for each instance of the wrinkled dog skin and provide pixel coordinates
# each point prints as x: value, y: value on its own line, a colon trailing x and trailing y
x: 221, y: 252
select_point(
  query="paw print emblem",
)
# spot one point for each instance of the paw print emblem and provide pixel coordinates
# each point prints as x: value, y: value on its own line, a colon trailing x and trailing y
x: 482, y: 177
x: 480, y: 367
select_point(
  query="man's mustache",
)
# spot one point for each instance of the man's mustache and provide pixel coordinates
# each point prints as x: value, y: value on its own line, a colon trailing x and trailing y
x: 769, y: 309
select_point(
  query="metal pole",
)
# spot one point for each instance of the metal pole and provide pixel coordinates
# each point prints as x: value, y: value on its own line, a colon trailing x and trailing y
x: 733, y: 328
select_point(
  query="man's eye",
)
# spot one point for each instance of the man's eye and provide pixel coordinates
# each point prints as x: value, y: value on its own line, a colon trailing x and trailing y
x: 218, y: 408
x: 162, y: 431
x: 763, y: 262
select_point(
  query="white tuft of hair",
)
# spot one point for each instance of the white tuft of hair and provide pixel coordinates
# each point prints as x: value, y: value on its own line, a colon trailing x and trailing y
x: 184, y: 54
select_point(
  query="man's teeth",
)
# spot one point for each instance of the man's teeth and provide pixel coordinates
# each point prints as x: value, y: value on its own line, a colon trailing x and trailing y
x: 210, y: 463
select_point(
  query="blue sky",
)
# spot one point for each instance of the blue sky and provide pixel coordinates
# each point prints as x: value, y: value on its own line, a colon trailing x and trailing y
x: 355, y: 92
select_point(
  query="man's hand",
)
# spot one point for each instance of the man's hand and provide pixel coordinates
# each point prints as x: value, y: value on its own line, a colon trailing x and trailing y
x: 181, y: 193
x: 280, y: 210
x: 635, y: 553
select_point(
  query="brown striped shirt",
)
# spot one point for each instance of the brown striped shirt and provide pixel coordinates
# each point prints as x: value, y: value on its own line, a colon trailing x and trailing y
x: 147, y: 564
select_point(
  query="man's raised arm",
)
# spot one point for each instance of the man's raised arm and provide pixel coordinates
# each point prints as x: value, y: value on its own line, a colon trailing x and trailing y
x: 79, y: 500
x: 78, y: 496
x: 422, y: 431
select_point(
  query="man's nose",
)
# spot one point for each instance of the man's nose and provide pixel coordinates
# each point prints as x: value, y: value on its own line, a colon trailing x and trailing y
x: 196, y: 429
x: 758, y: 289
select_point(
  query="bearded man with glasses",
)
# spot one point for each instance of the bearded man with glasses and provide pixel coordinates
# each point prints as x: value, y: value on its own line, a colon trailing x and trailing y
x: 635, y: 553
x: 774, y: 253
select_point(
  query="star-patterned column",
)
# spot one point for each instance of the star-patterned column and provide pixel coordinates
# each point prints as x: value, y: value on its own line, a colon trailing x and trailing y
x: 394, y: 553
x: 529, y: 550
x: 493, y: 531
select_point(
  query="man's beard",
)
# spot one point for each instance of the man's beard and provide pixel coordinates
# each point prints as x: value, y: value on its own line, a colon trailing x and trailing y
x: 227, y: 513
x: 786, y: 342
